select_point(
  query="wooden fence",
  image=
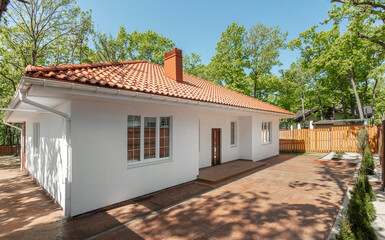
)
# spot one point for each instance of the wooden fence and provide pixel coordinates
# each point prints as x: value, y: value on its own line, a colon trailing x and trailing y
x: 9, y: 149
x: 334, y: 139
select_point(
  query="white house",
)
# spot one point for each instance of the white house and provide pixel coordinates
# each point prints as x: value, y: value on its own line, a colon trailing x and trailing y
x: 98, y: 134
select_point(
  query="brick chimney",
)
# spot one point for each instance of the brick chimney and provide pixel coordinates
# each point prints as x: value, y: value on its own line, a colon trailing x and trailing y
x: 173, y: 64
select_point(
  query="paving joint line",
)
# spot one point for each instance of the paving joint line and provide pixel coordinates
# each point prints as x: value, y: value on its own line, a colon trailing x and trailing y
x: 169, y: 206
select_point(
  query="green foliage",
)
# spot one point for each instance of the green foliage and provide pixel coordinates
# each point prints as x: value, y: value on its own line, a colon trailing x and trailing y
x: 149, y: 46
x: 228, y: 66
x: 365, y: 18
x: 39, y: 32
x: 361, y: 211
x: 338, y: 66
x: 263, y: 45
x: 346, y: 231
x: 367, y: 163
x: 192, y: 64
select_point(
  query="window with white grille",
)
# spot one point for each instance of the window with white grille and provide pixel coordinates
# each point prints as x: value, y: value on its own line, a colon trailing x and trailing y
x: 266, y: 132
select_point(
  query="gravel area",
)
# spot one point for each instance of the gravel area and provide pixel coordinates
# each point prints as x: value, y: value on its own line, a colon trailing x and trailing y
x: 379, y: 222
x: 9, y: 161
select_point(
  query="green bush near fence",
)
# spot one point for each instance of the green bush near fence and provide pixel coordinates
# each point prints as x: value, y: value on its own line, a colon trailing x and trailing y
x: 361, y: 212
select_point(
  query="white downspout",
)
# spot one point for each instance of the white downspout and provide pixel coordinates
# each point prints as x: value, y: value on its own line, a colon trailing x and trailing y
x: 13, y: 126
x: 68, y: 163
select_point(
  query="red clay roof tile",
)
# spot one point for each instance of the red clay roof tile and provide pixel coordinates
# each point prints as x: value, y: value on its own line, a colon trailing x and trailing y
x: 146, y: 77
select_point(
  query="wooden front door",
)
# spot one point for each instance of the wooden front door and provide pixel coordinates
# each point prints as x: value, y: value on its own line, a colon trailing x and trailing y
x: 215, y: 146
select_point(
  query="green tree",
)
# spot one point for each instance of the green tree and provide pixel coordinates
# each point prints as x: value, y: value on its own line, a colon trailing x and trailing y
x: 366, y: 18
x: 263, y: 45
x: 340, y: 63
x: 149, y: 46
x: 192, y: 64
x: 230, y: 61
x: 40, y: 32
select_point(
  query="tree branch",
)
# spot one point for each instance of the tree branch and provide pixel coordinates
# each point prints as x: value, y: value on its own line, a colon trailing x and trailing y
x: 356, y: 3
x: 9, y: 79
x: 382, y: 44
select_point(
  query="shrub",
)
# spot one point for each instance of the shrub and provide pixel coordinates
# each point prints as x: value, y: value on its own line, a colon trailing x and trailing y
x: 361, y: 210
x: 362, y: 139
x: 367, y: 163
x: 363, y: 186
x: 345, y: 231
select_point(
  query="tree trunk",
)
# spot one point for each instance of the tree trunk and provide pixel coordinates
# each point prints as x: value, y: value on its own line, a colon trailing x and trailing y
x: 374, y: 100
x: 343, y: 102
x: 358, y: 101
x: 303, y: 109
x: 365, y: 91
x: 320, y: 104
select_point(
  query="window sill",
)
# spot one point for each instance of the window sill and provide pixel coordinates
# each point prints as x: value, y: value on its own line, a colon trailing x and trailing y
x: 266, y: 143
x: 148, y: 162
x: 233, y: 146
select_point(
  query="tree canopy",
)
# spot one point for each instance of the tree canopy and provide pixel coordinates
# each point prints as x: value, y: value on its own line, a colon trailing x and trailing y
x: 337, y: 71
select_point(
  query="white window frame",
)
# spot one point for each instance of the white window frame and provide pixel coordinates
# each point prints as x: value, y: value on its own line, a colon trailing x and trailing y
x: 234, y: 144
x: 36, y: 139
x: 266, y: 135
x: 157, y: 159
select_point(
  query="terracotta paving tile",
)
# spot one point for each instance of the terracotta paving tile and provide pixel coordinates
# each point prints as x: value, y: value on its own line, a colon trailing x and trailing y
x: 143, y: 76
x: 294, y: 199
x: 291, y: 198
x: 24, y: 207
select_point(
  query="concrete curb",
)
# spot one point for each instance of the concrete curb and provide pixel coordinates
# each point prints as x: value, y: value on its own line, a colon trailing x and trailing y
x: 335, y: 230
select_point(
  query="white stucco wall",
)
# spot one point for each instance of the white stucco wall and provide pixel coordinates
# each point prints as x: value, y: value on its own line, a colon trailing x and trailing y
x: 208, y: 121
x: 264, y: 150
x: 46, y: 167
x: 99, y: 149
x: 249, y: 136
x: 246, y: 137
x: 100, y: 172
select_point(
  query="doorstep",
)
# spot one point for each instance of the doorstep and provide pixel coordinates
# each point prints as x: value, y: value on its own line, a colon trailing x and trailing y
x: 224, y: 171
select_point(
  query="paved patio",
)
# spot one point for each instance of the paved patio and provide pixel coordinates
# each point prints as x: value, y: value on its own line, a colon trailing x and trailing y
x: 292, y: 197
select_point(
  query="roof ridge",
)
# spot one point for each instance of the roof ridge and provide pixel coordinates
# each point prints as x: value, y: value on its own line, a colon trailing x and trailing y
x: 69, y: 66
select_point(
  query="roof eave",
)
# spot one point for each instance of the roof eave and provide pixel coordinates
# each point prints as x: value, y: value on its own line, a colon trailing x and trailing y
x: 26, y: 82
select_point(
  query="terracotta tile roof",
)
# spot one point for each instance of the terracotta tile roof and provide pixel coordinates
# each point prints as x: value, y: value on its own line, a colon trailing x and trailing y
x: 146, y: 77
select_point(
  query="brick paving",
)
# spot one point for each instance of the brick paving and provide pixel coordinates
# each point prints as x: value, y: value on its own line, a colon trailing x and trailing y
x: 25, y: 210
x: 295, y: 199
x: 291, y: 198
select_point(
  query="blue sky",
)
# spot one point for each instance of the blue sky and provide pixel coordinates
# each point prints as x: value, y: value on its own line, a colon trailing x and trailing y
x: 196, y: 26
